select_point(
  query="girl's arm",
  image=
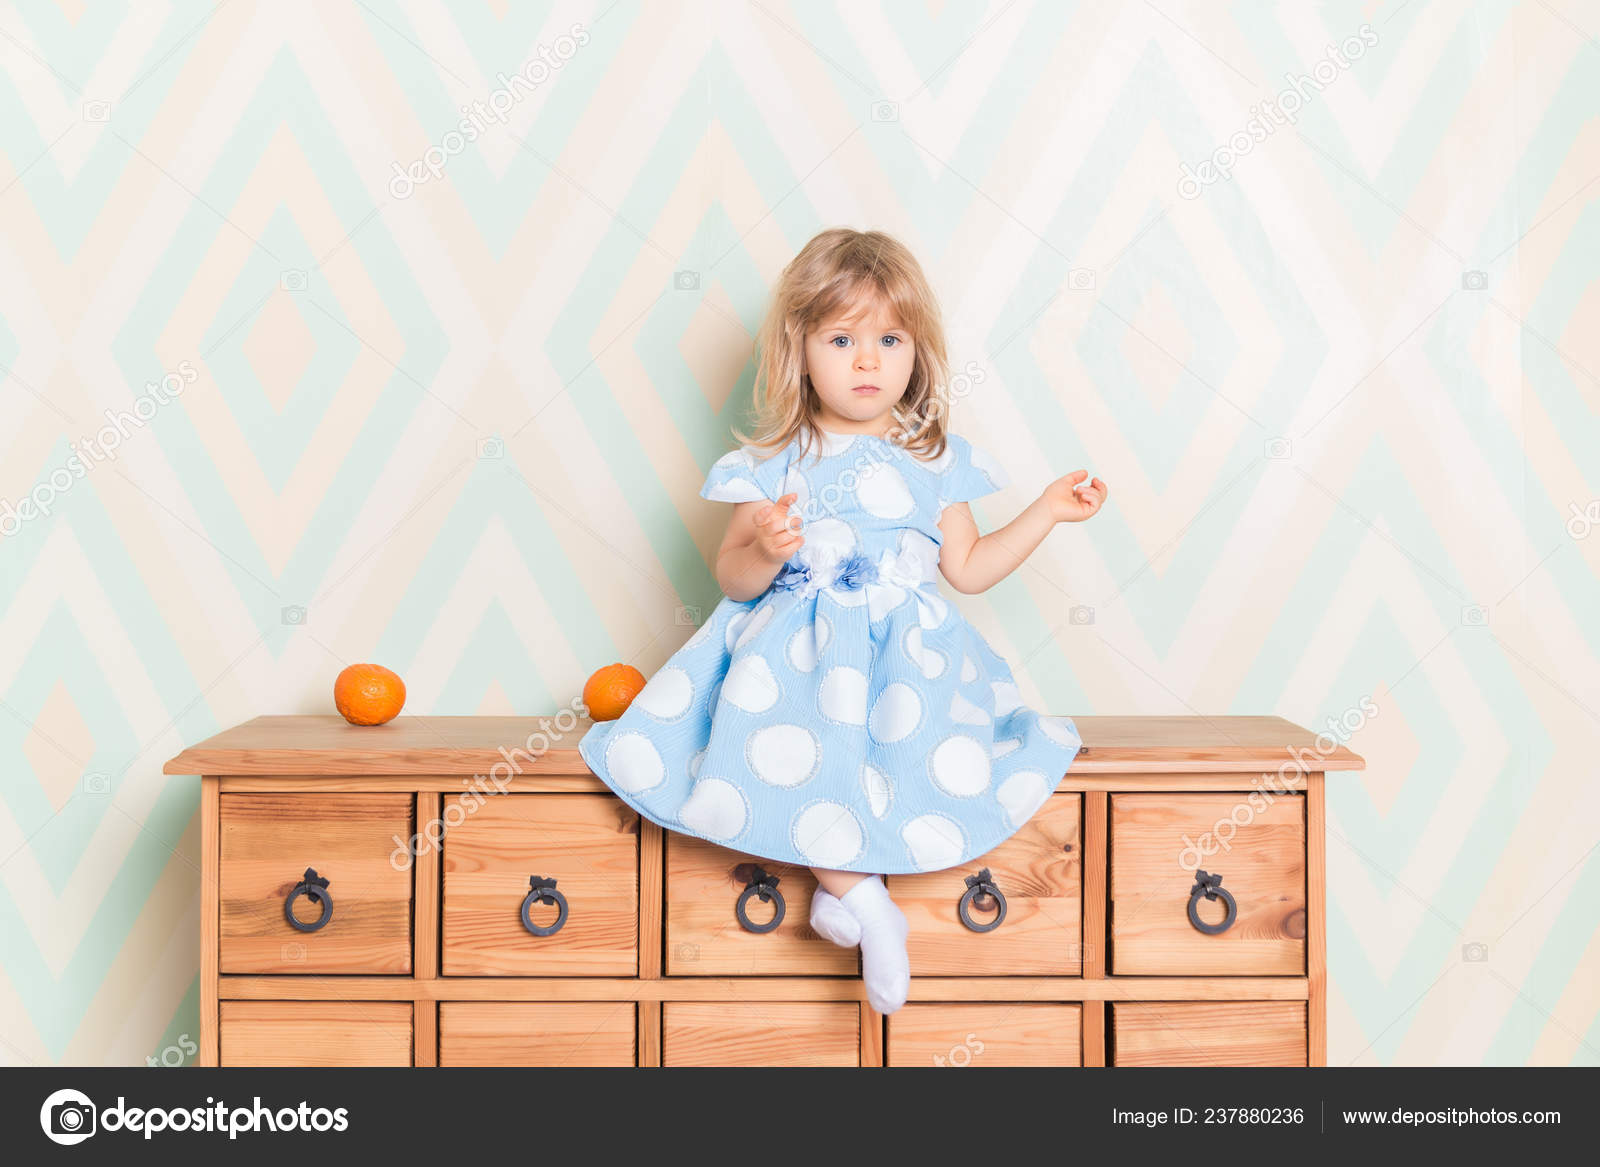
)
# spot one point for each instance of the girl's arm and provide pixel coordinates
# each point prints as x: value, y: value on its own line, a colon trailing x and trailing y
x: 975, y: 564
x: 761, y: 536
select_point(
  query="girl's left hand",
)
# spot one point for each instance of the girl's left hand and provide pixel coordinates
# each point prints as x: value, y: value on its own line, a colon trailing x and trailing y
x: 1073, y: 506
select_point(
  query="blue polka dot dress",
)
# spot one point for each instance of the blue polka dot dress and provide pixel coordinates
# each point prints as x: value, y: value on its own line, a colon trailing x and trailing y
x: 848, y: 717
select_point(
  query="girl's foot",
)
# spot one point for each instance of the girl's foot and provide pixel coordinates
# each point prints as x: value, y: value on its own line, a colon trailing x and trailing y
x: 831, y: 921
x: 885, y: 967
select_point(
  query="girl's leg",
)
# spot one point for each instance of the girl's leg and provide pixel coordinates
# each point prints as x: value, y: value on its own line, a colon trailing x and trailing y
x: 884, y: 964
x: 837, y: 882
x: 829, y: 918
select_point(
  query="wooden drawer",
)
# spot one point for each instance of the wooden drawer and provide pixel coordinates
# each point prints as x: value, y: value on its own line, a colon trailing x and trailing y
x: 999, y: 1033
x: 315, y: 1033
x: 704, y: 936
x: 1159, y: 842
x: 1208, y: 1033
x: 542, y: 1033
x: 1039, y: 873
x: 266, y: 843
x: 760, y: 1033
x: 587, y: 843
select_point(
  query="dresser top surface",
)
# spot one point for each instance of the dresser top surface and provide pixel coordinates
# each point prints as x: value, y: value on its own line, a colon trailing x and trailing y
x: 326, y: 744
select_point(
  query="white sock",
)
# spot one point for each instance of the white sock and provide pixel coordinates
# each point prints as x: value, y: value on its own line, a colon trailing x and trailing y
x: 831, y: 921
x: 885, y: 967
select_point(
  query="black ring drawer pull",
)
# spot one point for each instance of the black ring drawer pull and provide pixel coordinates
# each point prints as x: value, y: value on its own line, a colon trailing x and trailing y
x: 1211, y: 887
x: 313, y: 887
x: 979, y: 888
x: 766, y: 886
x: 543, y: 892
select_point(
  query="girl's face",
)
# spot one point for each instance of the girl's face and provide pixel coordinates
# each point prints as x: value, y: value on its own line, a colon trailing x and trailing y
x: 860, y: 366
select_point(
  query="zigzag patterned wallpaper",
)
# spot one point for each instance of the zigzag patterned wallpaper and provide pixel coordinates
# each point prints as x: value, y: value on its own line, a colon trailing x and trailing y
x: 419, y: 361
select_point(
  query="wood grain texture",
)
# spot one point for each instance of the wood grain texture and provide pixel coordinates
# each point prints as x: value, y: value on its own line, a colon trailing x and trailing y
x: 1255, y: 1033
x: 1094, y: 1033
x: 704, y: 936
x: 765, y: 1033
x: 1317, y: 922
x: 426, y: 885
x: 652, y: 883
x: 692, y: 976
x: 873, y: 1024
x: 327, y: 744
x: 1039, y: 872
x: 588, y: 843
x: 266, y: 843
x: 649, y: 1033
x: 210, y: 918
x: 316, y: 1033
x: 962, y: 1034
x: 1159, y: 841
x: 547, y: 1033
x: 1096, y: 860
x: 764, y: 988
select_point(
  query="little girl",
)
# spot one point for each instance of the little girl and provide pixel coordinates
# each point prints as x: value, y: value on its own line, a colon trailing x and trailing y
x: 834, y: 710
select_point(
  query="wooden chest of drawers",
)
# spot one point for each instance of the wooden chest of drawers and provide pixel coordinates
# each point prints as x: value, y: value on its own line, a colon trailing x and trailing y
x: 462, y: 891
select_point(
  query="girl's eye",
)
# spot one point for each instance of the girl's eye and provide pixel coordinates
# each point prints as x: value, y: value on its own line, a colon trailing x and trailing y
x: 839, y: 338
x: 893, y: 340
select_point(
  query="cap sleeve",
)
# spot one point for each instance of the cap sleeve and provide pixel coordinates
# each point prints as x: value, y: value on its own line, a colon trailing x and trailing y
x: 734, y: 478
x: 971, y: 473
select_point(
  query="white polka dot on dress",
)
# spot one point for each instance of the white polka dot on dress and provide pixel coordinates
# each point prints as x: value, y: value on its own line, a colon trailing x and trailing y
x: 883, y: 492
x: 935, y: 841
x: 880, y: 791
x: 715, y: 807
x: 964, y: 712
x: 930, y: 661
x: 783, y: 755
x: 1022, y: 794
x: 896, y: 713
x: 843, y: 696
x: 827, y: 834
x: 634, y: 763
x: 668, y: 694
x: 750, y: 685
x: 959, y: 766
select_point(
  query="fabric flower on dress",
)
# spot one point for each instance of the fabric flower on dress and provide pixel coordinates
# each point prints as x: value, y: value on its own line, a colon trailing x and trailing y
x: 855, y: 573
x: 792, y: 577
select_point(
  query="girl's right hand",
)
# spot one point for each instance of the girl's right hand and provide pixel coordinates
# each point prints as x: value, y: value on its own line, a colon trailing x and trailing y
x: 778, y: 534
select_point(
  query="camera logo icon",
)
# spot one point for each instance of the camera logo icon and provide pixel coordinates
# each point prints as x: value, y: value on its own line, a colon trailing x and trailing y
x: 294, y: 614
x: 885, y: 111
x: 1475, y: 281
x: 68, y: 1117
x: 1081, y: 279
x: 686, y: 281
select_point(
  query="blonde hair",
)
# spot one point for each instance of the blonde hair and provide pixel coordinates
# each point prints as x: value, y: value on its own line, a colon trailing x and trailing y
x: 835, y: 270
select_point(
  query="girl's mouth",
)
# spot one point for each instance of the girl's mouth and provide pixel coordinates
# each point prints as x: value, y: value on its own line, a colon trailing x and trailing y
x: 865, y: 390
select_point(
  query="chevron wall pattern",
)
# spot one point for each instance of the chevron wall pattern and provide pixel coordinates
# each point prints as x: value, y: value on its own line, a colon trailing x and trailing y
x: 406, y: 332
